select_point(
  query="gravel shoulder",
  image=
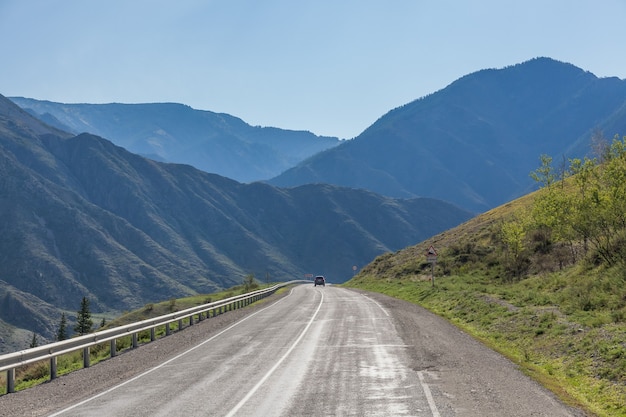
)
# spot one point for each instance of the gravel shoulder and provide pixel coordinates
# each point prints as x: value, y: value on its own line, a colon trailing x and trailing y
x: 468, y: 378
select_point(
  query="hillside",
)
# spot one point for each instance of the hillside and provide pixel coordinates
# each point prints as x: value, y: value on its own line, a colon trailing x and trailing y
x: 474, y: 142
x: 213, y: 142
x: 535, y: 281
x: 83, y: 217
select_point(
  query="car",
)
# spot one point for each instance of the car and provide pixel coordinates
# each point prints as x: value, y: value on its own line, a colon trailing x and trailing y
x: 319, y: 280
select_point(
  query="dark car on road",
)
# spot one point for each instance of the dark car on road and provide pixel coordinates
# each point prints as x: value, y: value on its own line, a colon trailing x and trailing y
x: 319, y: 280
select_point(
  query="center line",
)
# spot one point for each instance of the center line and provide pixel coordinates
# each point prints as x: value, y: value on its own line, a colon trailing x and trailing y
x: 168, y: 361
x: 271, y: 371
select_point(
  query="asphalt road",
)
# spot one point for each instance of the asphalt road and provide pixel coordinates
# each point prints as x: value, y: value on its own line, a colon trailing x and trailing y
x: 318, y: 351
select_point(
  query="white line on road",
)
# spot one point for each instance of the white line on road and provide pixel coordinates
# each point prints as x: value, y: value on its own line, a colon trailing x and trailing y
x: 376, y: 302
x: 58, y: 413
x: 429, y: 396
x: 277, y: 364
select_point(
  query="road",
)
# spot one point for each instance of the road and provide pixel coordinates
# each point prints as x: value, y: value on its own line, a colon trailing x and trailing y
x: 326, y: 351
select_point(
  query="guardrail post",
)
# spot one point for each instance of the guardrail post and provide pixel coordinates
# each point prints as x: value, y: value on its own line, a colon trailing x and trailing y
x: 152, y: 335
x: 167, y: 329
x: 191, y: 320
x: 135, y: 340
x: 53, y: 368
x: 86, y: 359
x: 113, y: 348
x: 10, y: 380
x: 180, y: 324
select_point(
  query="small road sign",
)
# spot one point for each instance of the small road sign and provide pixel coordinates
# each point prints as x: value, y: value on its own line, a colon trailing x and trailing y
x: 431, y: 255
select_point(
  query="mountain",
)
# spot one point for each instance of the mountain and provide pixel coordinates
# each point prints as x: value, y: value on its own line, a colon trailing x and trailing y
x: 213, y: 142
x: 475, y: 142
x: 84, y: 217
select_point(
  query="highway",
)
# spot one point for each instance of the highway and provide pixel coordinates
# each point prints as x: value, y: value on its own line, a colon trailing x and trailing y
x: 324, y: 351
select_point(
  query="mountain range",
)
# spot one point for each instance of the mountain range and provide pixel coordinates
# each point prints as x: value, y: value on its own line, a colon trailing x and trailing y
x: 475, y: 142
x: 472, y: 143
x: 169, y: 132
x: 82, y: 217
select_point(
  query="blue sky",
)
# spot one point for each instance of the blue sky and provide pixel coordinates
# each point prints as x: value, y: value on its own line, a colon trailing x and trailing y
x: 328, y: 66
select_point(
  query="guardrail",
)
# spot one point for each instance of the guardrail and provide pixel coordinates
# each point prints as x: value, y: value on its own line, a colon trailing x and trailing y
x: 11, y: 361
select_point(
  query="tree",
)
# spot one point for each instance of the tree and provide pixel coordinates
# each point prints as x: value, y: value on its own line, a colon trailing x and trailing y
x: 249, y: 283
x: 33, y: 342
x: 83, y: 318
x: 545, y: 174
x: 591, y: 208
x: 62, y: 332
x: 513, y: 238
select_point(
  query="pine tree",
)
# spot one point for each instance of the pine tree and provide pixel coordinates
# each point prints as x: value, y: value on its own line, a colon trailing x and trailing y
x: 62, y: 332
x: 83, y: 318
x: 33, y: 342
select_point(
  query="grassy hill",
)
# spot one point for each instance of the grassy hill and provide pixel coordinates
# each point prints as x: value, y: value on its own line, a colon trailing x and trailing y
x: 562, y: 320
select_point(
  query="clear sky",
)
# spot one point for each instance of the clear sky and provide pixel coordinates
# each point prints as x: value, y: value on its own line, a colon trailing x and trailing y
x: 328, y: 66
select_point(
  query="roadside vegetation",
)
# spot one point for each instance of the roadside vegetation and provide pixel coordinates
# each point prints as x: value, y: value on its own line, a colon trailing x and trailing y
x: 541, y: 279
x: 37, y: 373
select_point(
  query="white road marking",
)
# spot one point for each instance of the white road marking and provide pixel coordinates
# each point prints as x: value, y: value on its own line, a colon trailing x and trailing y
x: 277, y: 364
x: 376, y: 302
x: 429, y: 396
x: 58, y: 413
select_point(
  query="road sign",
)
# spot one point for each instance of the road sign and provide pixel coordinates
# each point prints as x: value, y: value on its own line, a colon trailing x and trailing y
x: 431, y: 255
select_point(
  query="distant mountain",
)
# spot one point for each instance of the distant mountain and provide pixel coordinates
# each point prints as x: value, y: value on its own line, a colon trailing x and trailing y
x: 475, y: 142
x: 213, y: 142
x: 83, y: 217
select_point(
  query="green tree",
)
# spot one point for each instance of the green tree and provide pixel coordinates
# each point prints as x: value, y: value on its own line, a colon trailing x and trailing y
x: 33, y: 342
x: 62, y: 332
x: 83, y: 318
x: 513, y: 238
x: 545, y: 174
x: 249, y: 283
x: 591, y: 207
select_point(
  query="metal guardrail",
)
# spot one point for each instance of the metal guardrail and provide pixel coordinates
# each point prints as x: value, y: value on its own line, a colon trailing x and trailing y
x: 51, y: 351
